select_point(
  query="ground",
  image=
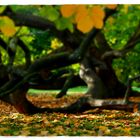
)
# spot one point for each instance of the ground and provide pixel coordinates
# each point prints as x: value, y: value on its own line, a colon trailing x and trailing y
x: 95, y: 122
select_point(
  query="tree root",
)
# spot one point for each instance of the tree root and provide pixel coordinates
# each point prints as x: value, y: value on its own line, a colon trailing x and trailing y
x: 85, y: 103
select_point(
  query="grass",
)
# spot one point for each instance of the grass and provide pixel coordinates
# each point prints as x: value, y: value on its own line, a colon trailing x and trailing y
x: 136, y: 89
x: 80, y: 89
x: 71, y: 91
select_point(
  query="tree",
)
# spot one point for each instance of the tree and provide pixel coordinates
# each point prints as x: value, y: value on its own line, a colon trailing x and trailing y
x: 85, y: 41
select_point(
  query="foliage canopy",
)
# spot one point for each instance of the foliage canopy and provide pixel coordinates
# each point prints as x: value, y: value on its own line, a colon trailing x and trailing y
x: 117, y: 29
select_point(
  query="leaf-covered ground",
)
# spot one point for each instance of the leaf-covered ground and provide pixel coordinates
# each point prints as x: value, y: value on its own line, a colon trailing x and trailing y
x: 96, y: 122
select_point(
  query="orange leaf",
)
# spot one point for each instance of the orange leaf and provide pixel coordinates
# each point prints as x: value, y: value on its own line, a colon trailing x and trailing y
x: 98, y: 23
x: 68, y: 10
x: 85, y: 24
x: 98, y: 11
x: 81, y: 12
x: 111, y: 6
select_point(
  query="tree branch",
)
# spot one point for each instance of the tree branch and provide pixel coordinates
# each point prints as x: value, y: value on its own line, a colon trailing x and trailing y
x: 55, y: 61
x: 15, y: 84
x: 83, y: 48
x: 10, y: 52
x: 102, y: 43
x: 26, y: 51
x: 51, y: 62
x: 29, y: 20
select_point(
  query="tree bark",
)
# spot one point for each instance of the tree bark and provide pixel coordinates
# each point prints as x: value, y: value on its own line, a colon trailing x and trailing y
x: 95, y: 86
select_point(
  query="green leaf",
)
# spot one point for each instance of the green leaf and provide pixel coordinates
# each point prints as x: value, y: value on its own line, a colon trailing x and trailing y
x: 1, y: 22
x: 64, y: 23
x: 2, y: 8
x: 50, y: 13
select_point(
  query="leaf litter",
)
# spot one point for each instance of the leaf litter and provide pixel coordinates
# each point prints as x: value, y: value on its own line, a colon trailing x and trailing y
x: 94, y: 122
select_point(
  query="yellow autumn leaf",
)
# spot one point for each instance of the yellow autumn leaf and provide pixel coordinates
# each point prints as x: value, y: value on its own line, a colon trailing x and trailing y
x: 111, y: 6
x: 97, y: 15
x: 7, y: 27
x: 85, y: 24
x: 98, y: 12
x: 81, y: 12
x: 98, y: 23
x: 68, y: 10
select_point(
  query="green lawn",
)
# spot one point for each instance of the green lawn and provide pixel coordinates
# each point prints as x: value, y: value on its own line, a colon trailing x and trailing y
x: 136, y: 89
x: 80, y: 89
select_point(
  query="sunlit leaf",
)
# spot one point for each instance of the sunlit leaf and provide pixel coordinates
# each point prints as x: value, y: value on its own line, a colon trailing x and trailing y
x: 7, y: 26
x: 68, y: 10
